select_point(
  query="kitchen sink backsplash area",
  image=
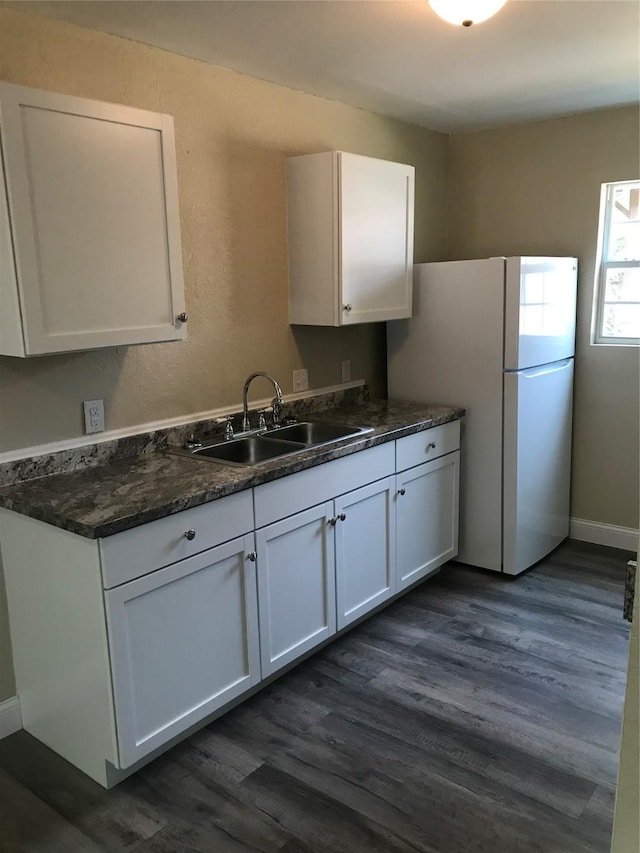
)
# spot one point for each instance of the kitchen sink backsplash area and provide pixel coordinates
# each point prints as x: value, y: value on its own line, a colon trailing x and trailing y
x: 90, y: 455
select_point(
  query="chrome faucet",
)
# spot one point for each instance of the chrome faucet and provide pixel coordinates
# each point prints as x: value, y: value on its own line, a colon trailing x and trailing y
x: 277, y: 403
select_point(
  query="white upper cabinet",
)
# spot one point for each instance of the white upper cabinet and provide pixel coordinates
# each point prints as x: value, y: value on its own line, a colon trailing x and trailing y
x: 90, y: 251
x: 350, y: 224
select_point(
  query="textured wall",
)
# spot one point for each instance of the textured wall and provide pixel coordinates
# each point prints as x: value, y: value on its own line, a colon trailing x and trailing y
x: 535, y: 189
x: 233, y: 135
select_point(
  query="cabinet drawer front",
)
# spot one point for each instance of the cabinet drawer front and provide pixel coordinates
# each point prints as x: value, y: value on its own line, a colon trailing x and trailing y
x: 143, y: 549
x: 429, y: 444
x: 316, y: 485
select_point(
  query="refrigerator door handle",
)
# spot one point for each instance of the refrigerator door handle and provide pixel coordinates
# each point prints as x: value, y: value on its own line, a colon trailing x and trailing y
x: 543, y: 370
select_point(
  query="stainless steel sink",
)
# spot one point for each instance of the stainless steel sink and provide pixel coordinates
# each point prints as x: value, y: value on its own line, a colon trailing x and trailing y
x: 246, y: 451
x: 312, y: 433
x: 265, y: 446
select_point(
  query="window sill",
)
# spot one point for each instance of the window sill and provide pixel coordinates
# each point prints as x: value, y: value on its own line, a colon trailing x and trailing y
x: 616, y: 344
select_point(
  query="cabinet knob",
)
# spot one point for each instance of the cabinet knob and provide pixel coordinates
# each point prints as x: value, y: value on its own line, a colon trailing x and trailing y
x: 183, y: 317
x: 342, y: 516
x: 401, y: 491
x: 190, y: 535
x: 252, y: 556
x: 332, y: 521
x: 347, y: 307
x: 431, y: 445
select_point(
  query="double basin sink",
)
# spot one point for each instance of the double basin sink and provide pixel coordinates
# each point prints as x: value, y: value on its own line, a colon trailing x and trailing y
x: 274, y: 443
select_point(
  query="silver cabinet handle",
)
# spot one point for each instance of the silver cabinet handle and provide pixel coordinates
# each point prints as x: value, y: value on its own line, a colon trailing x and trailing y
x: 183, y: 317
x: 401, y: 491
x: 431, y: 445
x: 190, y: 535
x: 342, y: 516
x: 252, y: 556
x: 347, y: 307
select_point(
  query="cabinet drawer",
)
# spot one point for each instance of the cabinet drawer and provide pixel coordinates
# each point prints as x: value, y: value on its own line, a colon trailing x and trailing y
x: 316, y: 485
x: 136, y: 552
x: 429, y: 444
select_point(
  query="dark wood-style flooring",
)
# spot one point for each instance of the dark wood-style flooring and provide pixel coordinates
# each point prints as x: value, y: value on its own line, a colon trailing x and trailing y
x: 478, y: 713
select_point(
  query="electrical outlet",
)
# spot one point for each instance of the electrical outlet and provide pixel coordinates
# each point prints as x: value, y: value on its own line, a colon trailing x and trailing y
x: 346, y: 370
x: 300, y: 380
x: 93, y: 416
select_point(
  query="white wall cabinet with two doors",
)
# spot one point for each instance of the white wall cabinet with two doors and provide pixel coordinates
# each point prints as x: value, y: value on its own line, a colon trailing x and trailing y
x: 146, y: 634
x: 90, y: 252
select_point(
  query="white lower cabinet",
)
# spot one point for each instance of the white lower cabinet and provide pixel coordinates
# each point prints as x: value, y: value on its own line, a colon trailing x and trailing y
x: 426, y: 518
x: 321, y: 569
x: 194, y: 621
x: 184, y: 642
x: 296, y: 585
x: 365, y: 549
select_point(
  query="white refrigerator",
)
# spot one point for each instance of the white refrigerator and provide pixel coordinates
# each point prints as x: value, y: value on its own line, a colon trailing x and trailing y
x: 497, y: 336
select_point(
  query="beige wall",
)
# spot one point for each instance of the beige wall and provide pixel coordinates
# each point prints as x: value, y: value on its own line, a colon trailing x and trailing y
x: 233, y: 135
x: 535, y: 189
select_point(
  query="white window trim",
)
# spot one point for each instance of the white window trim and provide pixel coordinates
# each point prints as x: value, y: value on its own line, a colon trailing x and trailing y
x: 602, y: 267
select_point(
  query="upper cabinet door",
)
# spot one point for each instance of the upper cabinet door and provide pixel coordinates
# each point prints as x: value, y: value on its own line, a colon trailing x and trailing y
x: 350, y: 223
x: 91, y: 210
x: 376, y: 239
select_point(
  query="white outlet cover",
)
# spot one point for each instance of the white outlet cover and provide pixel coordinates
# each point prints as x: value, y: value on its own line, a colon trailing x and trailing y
x: 346, y: 370
x: 301, y: 379
x: 93, y: 416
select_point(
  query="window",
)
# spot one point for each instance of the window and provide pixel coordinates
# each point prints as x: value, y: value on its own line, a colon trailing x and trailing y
x: 617, y: 286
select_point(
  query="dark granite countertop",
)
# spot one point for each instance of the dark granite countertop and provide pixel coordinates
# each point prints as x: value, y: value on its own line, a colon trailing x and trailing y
x: 106, y: 499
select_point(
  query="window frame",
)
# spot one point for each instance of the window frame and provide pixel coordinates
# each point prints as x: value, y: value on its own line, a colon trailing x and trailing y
x: 603, y: 266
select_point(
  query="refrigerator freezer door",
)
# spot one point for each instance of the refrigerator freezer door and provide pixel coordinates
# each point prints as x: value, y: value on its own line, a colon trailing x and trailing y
x: 451, y: 352
x: 540, y: 311
x: 537, y: 463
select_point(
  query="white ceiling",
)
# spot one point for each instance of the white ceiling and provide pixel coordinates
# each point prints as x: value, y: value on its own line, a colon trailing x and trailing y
x: 536, y: 58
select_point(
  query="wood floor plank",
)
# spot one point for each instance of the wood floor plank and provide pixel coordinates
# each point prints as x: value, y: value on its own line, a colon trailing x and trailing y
x: 200, y: 809
x: 109, y: 818
x: 28, y: 824
x: 336, y: 757
x: 321, y: 822
x: 477, y: 714
x: 434, y: 738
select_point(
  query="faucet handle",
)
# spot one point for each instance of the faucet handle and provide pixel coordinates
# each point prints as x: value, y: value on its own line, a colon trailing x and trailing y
x: 192, y: 443
x: 276, y: 406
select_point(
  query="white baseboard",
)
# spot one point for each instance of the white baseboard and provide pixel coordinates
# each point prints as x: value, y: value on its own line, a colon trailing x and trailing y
x: 10, y: 717
x: 603, y: 534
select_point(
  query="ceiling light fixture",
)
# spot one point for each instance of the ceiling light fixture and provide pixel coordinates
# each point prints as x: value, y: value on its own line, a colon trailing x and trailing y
x: 464, y: 13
